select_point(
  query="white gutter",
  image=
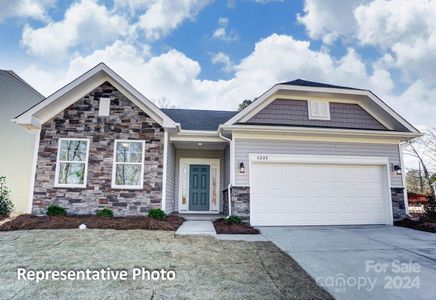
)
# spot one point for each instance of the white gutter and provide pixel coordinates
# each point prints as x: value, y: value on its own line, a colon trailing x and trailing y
x: 331, y: 131
x: 229, y: 196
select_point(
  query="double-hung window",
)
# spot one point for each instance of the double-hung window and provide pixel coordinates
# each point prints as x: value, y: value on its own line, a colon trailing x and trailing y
x: 72, y: 163
x: 128, y: 169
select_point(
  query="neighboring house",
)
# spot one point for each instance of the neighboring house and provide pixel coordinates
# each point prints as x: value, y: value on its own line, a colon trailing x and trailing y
x: 16, y: 143
x: 303, y: 153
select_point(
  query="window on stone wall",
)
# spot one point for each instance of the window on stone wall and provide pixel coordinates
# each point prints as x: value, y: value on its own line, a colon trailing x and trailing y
x: 72, y: 163
x: 128, y: 168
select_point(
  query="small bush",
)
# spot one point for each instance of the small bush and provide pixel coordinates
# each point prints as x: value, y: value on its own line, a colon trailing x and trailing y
x: 56, y: 210
x: 234, y: 220
x: 6, y: 205
x: 105, y: 213
x: 430, y: 211
x: 157, y: 213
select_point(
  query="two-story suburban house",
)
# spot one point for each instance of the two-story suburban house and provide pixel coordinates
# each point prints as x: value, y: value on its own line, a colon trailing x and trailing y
x: 303, y: 153
x: 16, y: 143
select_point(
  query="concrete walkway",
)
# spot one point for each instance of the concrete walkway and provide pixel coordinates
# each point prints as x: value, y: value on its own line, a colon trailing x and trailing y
x: 387, y: 262
x: 196, y: 228
x: 206, y: 228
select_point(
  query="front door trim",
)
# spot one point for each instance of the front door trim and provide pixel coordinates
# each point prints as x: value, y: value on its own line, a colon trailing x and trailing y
x: 184, y: 167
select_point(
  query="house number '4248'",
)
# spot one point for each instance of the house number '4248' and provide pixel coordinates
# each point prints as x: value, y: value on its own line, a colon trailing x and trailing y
x: 262, y: 157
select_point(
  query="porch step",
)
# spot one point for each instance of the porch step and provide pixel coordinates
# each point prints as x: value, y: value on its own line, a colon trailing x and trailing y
x: 196, y: 228
x: 201, y: 217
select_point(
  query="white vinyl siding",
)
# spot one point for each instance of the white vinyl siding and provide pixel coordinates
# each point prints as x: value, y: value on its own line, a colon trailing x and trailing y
x: 16, y: 142
x: 170, y: 187
x: 72, y: 163
x: 128, y: 167
x: 243, y: 147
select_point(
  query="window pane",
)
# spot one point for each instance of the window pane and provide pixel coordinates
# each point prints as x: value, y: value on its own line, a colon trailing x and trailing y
x: 71, y: 173
x: 128, y: 174
x: 73, y: 150
x: 129, y: 152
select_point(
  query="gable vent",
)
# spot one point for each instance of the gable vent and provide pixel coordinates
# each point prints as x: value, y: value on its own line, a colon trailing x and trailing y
x: 104, y: 107
x: 319, y: 110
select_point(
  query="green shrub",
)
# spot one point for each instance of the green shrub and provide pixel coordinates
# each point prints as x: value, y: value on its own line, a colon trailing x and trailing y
x: 157, y: 213
x: 105, y: 213
x: 234, y: 220
x: 56, y: 210
x: 6, y: 205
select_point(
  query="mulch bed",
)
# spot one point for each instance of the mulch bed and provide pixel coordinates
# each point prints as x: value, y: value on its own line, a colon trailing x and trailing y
x: 27, y: 222
x: 418, y: 225
x: 222, y: 227
x: 3, y: 217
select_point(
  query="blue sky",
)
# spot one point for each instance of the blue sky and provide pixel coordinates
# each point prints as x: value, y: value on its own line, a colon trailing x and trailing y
x: 214, y: 54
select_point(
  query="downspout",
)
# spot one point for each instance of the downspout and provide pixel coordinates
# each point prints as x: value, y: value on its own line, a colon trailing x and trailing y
x: 231, y: 163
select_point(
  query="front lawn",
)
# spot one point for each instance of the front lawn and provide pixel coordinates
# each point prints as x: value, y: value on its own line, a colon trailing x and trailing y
x: 205, y: 268
x: 26, y: 222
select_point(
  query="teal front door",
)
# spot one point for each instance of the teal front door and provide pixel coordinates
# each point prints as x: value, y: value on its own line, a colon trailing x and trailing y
x: 199, y: 187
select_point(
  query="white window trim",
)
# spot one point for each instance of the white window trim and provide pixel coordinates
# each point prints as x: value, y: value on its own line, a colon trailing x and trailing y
x: 186, y: 162
x: 85, y: 178
x: 114, y: 169
x: 311, y: 116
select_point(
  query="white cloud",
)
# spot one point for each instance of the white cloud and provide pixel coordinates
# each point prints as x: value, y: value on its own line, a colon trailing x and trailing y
x: 35, y: 9
x: 175, y: 76
x: 222, y: 33
x: 224, y: 59
x: 407, y: 29
x: 223, y: 22
x: 85, y: 23
x: 163, y: 16
x: 329, y: 20
x: 417, y: 103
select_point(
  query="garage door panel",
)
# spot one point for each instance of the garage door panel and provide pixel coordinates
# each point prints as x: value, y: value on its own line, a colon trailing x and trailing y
x: 316, y: 194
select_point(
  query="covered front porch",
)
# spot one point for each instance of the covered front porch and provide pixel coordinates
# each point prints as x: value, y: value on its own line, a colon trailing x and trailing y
x: 197, y: 177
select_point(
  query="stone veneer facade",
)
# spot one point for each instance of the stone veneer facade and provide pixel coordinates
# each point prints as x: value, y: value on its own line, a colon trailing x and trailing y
x: 398, y: 206
x: 240, y: 201
x: 81, y: 120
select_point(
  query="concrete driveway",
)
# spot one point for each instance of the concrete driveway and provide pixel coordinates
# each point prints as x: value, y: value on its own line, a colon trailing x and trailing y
x: 363, y: 262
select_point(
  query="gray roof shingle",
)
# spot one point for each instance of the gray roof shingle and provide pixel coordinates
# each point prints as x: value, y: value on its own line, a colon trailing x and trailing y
x: 301, y: 82
x: 195, y: 119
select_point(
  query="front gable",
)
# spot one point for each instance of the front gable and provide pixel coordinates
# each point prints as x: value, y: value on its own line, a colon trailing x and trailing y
x: 37, y: 115
x: 291, y: 112
x: 349, y: 108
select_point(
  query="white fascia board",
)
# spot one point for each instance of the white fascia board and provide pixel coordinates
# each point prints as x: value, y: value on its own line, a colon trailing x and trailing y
x: 106, y: 74
x: 252, y: 106
x: 258, y: 102
x: 312, y: 130
x: 392, y: 112
x: 165, y: 119
x: 23, y: 118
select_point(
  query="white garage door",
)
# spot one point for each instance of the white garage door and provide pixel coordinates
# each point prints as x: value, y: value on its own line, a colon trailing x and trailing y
x: 284, y: 193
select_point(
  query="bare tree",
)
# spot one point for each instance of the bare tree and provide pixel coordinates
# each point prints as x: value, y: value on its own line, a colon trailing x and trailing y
x: 424, y: 149
x: 163, y: 102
